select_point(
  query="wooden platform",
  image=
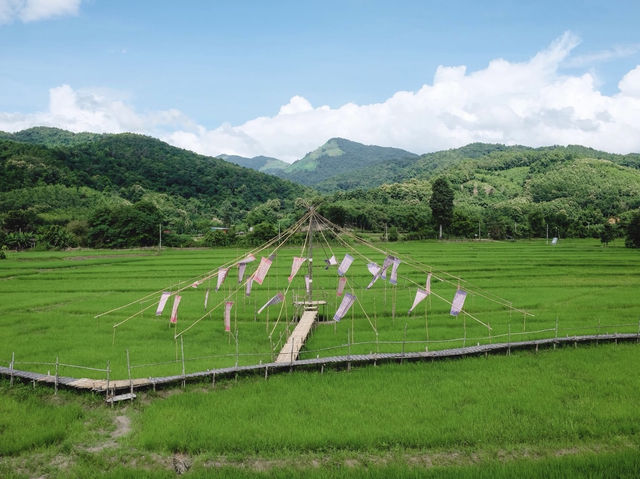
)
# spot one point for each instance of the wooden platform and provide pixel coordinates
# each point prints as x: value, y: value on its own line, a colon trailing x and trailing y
x: 291, y: 349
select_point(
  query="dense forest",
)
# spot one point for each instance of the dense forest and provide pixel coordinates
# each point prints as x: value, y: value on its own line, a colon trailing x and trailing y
x: 60, y: 189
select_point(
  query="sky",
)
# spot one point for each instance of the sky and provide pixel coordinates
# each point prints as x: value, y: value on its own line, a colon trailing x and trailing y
x: 280, y: 78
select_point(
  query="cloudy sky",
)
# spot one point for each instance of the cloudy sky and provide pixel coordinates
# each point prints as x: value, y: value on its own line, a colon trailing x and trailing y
x: 280, y: 78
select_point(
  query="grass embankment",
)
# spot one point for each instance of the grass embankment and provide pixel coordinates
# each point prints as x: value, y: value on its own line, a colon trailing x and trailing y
x: 555, y: 413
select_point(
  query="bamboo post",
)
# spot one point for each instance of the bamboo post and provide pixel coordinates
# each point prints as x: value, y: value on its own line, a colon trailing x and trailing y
x: 129, y: 374
x: 13, y: 357
x: 555, y: 342
x: 237, y: 348
x: 404, y: 340
x: 348, y: 352
x: 464, y: 323
x: 56, y: 381
x: 509, y: 341
x: 213, y: 380
x: 266, y: 373
x: 108, y: 377
x: 182, y: 354
x: 393, y: 304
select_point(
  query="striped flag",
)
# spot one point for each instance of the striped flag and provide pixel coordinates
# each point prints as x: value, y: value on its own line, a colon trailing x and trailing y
x: 174, y: 311
x: 428, y: 287
x: 227, y: 315
x: 394, y: 271
x: 295, y: 266
x: 346, y: 303
x: 278, y: 298
x: 241, y: 269
x: 162, y: 302
x: 263, y: 269
x: 222, y: 275
x: 247, y: 291
x: 344, y: 266
x: 458, y: 302
x: 206, y: 298
x: 341, y: 283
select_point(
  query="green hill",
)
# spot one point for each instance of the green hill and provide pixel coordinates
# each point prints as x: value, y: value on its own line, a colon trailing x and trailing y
x: 264, y: 164
x: 42, y: 135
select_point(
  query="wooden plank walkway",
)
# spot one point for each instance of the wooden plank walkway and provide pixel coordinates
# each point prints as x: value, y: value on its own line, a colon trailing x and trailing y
x: 100, y: 385
x: 290, y: 351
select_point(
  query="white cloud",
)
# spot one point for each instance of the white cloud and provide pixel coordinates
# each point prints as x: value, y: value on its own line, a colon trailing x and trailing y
x: 33, y: 10
x: 618, y: 51
x: 528, y: 103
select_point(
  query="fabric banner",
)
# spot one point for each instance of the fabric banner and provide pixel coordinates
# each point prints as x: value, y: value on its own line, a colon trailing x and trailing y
x: 373, y: 280
x: 278, y: 298
x: 341, y: 283
x: 174, y: 311
x: 249, y: 259
x: 247, y: 290
x: 206, y: 298
x: 330, y: 262
x: 307, y: 283
x: 227, y: 315
x: 344, y: 266
x: 420, y: 295
x: 222, y: 275
x: 196, y: 284
x: 458, y: 302
x: 428, y: 287
x: 162, y: 303
x: 554, y: 241
x: 373, y: 268
x: 394, y: 271
x: 388, y: 261
x: 241, y: 269
x: 346, y: 303
x: 263, y: 269
x: 295, y: 266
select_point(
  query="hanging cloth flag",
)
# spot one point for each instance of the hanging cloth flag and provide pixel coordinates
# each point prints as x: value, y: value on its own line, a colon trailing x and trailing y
x: 227, y: 315
x: 394, y: 271
x: 247, y: 291
x: 307, y: 283
x: 344, y: 266
x: 162, y: 303
x: 331, y: 262
x: 196, y: 284
x: 241, y: 269
x: 174, y: 311
x: 346, y: 303
x: 263, y: 269
x: 278, y: 298
x: 388, y: 261
x: 373, y: 268
x: 206, y: 298
x: 458, y: 302
x: 341, y: 283
x: 420, y: 295
x: 272, y: 256
x: 295, y: 266
x: 222, y: 275
x: 249, y: 259
x: 428, y: 288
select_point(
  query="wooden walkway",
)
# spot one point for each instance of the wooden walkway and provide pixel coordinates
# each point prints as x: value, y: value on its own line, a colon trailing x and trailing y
x: 100, y: 385
x: 289, y: 353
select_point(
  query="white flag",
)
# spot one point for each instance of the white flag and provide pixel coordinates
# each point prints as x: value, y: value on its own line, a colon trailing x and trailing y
x: 394, y: 271
x: 388, y: 261
x: 206, y: 298
x: 162, y: 303
x: 458, y: 302
x: 346, y: 303
x: 227, y: 315
x: 295, y: 266
x: 373, y: 268
x: 341, y: 283
x: 420, y: 295
x: 263, y: 269
x: 344, y: 266
x: 174, y: 311
x: 249, y: 259
x: 241, y: 269
x: 278, y: 298
x: 222, y: 275
x: 247, y: 291
x: 428, y: 287
x: 330, y: 262
x: 307, y: 283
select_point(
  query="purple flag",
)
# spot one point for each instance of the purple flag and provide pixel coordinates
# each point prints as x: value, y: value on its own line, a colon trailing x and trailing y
x: 341, y: 283
x: 346, y: 303
x: 278, y: 298
x: 344, y: 266
x: 388, y: 261
x: 241, y: 269
x: 295, y: 266
x: 458, y: 302
x: 162, y: 303
x: 247, y: 291
x: 222, y: 275
x: 420, y: 295
x: 227, y: 315
x: 263, y: 269
x: 394, y: 271
x: 174, y: 311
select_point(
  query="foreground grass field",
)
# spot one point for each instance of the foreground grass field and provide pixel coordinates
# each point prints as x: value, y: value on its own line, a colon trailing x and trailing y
x: 54, y: 297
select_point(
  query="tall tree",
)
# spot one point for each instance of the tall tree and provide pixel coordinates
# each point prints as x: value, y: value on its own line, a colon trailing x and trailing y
x: 441, y: 203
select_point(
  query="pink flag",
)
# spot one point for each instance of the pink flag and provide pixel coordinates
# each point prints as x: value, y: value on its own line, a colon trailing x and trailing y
x: 428, y: 288
x: 249, y: 258
x: 227, y: 315
x: 196, y: 284
x: 241, y: 269
x: 206, y: 298
x: 307, y: 283
x: 162, y: 303
x: 247, y: 291
x: 222, y: 275
x: 346, y: 303
x: 394, y: 271
x: 278, y: 298
x: 458, y: 302
x: 174, y: 311
x: 344, y: 266
x: 263, y: 269
x: 420, y: 295
x: 297, y: 262
x: 341, y: 283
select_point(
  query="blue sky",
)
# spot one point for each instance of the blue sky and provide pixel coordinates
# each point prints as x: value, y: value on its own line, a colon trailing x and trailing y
x: 199, y: 73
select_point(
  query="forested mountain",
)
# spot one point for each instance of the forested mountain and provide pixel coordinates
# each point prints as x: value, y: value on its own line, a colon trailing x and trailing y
x: 264, y: 164
x: 338, y: 156
x: 46, y: 136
